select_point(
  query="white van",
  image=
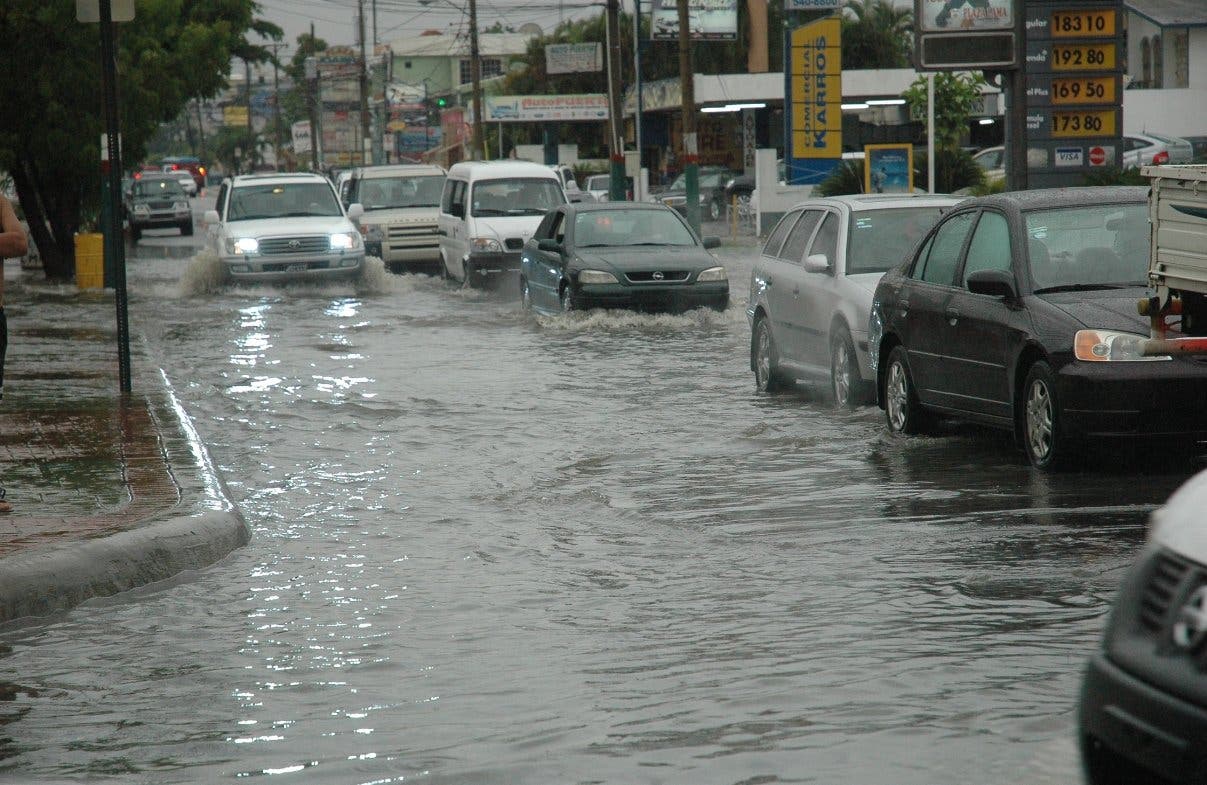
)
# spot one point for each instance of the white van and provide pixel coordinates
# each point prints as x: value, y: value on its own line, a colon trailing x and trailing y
x: 488, y: 211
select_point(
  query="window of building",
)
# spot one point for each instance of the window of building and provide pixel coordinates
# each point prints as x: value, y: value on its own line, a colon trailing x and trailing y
x: 1158, y: 62
x: 1181, y: 58
x: 491, y: 67
x: 1146, y: 63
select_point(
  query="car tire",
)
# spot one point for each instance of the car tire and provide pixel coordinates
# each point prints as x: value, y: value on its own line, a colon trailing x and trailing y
x: 1042, y: 426
x: 186, y: 229
x: 846, y: 386
x: 445, y: 275
x: 567, y: 300
x: 467, y: 274
x: 764, y: 359
x: 135, y: 233
x: 902, y: 409
x: 525, y: 295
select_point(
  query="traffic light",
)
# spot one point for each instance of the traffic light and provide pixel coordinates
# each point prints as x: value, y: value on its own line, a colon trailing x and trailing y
x: 441, y: 102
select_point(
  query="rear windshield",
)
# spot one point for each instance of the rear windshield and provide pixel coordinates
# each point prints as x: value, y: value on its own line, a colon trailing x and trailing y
x: 880, y: 239
x: 157, y: 187
x: 283, y: 200
x: 516, y: 196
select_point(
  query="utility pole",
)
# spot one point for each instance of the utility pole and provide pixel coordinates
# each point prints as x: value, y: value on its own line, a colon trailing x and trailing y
x: 251, y: 133
x: 637, y: 93
x: 691, y: 150
x: 616, y: 142
x: 364, y: 87
x: 475, y: 76
x: 276, y: 103
x: 312, y: 81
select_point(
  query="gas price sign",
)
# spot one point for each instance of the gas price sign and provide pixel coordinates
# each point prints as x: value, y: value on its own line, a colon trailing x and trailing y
x: 1085, y: 90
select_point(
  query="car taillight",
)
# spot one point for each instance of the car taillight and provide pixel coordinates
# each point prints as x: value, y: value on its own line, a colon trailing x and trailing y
x: 1161, y: 158
x: 201, y: 170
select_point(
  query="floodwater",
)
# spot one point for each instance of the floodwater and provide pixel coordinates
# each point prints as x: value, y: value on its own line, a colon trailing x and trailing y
x: 490, y: 547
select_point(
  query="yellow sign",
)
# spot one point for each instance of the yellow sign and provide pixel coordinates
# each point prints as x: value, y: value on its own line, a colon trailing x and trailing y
x: 815, y: 81
x: 1084, y: 57
x: 234, y: 115
x: 1085, y: 90
x: 1079, y: 125
x: 1084, y: 23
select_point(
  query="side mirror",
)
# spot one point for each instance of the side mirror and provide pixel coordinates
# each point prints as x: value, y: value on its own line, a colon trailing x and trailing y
x: 548, y: 244
x: 211, y: 216
x: 457, y: 210
x: 995, y: 283
x: 355, y: 211
x: 711, y: 241
x: 817, y: 263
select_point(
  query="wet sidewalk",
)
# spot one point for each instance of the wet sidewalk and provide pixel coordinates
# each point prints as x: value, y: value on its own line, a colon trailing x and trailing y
x: 108, y: 491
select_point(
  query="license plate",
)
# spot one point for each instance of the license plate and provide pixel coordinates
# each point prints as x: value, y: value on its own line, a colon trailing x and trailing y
x: 300, y: 267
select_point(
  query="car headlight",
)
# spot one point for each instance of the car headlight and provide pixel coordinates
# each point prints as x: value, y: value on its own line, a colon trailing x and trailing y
x: 596, y: 276
x: 372, y: 233
x: 712, y: 274
x: 485, y: 245
x: 344, y: 241
x: 1102, y: 346
x: 242, y: 245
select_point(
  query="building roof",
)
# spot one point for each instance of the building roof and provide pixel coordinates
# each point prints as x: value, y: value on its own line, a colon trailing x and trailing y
x: 1170, y: 13
x: 489, y: 45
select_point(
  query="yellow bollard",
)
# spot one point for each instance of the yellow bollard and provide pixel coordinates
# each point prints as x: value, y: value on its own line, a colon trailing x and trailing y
x: 90, y: 261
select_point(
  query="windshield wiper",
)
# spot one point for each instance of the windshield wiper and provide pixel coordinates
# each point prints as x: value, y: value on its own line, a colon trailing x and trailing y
x: 1085, y: 287
x: 489, y: 211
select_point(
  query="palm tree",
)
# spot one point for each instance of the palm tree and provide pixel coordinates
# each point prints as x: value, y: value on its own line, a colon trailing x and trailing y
x: 877, y: 34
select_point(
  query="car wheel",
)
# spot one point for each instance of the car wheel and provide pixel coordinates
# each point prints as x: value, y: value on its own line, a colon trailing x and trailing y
x: 1043, y: 430
x: 764, y: 358
x: 135, y: 233
x: 443, y: 272
x: 467, y: 274
x: 566, y: 298
x: 186, y: 229
x: 901, y: 406
x: 525, y: 295
x: 845, y: 383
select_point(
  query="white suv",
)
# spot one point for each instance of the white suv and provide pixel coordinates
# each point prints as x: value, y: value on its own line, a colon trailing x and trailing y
x: 273, y: 226
x: 402, y: 203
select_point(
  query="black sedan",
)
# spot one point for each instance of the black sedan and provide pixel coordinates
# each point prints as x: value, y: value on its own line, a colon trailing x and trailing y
x: 1019, y: 310
x: 619, y: 255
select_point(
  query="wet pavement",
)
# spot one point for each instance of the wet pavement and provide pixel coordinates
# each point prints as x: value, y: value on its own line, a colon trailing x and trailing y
x: 494, y: 547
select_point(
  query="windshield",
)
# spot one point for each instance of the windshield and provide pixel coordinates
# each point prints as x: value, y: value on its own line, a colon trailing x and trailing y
x: 704, y: 180
x: 881, y: 238
x: 384, y: 193
x: 282, y: 200
x: 601, y: 228
x: 516, y: 196
x: 598, y: 182
x: 1088, y: 246
x: 164, y: 188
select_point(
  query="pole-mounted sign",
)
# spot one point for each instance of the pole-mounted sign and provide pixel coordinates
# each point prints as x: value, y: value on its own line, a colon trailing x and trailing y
x: 964, y: 34
x: 814, y: 101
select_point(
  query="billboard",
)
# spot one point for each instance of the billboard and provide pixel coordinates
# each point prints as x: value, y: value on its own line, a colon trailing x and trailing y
x: 888, y: 168
x: 814, y: 90
x: 707, y: 20
x: 573, y: 58
x: 300, y: 131
x: 541, y: 108
x: 956, y: 34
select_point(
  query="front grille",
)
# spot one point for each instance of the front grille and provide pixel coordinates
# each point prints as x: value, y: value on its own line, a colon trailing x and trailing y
x: 1168, y: 571
x: 312, y: 244
x: 162, y: 205
x: 514, y: 243
x: 413, y: 236
x: 651, y: 276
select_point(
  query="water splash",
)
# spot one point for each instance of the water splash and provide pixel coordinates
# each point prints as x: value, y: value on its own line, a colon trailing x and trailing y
x: 204, y: 274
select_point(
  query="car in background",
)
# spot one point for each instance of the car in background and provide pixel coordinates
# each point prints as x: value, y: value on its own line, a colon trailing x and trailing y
x: 267, y: 227
x: 599, y: 185
x: 570, y: 185
x: 186, y: 163
x: 992, y: 161
x: 402, y: 205
x: 1019, y: 311
x: 157, y: 201
x: 1140, y: 715
x: 1149, y: 148
x: 619, y: 255
x: 811, y: 288
x: 711, y: 179
x: 186, y: 181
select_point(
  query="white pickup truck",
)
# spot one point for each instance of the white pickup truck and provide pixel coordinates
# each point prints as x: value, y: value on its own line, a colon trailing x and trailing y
x: 1177, y: 269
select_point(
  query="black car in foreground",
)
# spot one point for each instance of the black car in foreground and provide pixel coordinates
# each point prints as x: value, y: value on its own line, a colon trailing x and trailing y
x: 619, y: 255
x: 1143, y: 711
x: 1019, y: 311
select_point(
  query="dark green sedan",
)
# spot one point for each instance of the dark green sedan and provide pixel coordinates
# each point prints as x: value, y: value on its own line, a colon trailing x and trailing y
x: 642, y: 256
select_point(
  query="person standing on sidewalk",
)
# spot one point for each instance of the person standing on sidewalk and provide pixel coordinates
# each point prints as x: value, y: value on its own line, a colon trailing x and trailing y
x: 12, y: 243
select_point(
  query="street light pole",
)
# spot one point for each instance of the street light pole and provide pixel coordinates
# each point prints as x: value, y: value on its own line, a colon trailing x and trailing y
x: 691, y: 150
x: 109, y: 88
x: 616, y: 143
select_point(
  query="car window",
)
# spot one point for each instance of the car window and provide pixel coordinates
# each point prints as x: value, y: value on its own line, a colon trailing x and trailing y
x: 990, y: 246
x: 220, y: 202
x: 1088, y: 246
x: 282, y: 200
x: 603, y: 228
x: 826, y: 240
x: 156, y: 187
x: 879, y: 239
x: 557, y: 227
x: 457, y: 196
x: 387, y: 193
x: 775, y: 240
x: 943, y: 251
x: 516, y: 196
x: 798, y: 239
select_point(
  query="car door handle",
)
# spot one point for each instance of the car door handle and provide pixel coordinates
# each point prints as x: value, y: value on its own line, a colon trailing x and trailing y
x: 952, y: 315
x: 796, y: 291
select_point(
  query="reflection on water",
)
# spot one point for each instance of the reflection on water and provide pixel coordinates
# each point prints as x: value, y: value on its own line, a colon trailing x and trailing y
x: 495, y: 547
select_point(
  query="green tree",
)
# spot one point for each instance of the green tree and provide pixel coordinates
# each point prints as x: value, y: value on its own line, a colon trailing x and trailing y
x: 956, y: 95
x: 876, y: 34
x: 51, y: 94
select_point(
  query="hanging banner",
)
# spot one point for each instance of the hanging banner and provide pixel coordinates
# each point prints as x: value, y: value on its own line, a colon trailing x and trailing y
x: 707, y: 20
x: 814, y: 90
x: 301, y: 136
x: 539, y: 108
x: 573, y: 58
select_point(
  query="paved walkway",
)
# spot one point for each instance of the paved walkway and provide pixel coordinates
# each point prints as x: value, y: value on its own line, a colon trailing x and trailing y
x: 108, y: 491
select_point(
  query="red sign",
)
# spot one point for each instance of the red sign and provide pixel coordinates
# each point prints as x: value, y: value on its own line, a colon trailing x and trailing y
x: 1097, y: 156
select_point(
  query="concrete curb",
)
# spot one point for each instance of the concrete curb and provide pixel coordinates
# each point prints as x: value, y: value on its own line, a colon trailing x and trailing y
x: 201, y: 528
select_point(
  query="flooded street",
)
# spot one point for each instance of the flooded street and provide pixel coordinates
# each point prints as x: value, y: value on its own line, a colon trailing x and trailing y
x: 490, y: 547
